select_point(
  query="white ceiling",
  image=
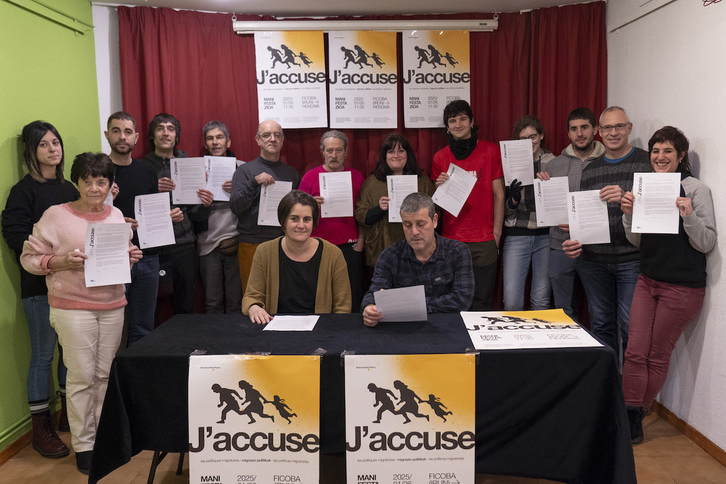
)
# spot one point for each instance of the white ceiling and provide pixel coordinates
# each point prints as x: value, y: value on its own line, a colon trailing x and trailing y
x: 317, y: 8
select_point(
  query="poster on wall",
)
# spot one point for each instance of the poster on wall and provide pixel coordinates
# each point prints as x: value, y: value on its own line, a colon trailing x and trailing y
x: 362, y: 79
x: 410, y: 418
x: 505, y: 330
x: 435, y: 72
x: 254, y: 419
x: 291, y: 78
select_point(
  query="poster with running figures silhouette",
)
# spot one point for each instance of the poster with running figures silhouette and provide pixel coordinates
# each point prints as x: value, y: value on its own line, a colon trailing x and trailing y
x: 506, y: 330
x: 410, y: 419
x: 435, y: 72
x: 363, y: 80
x: 254, y: 419
x: 291, y: 78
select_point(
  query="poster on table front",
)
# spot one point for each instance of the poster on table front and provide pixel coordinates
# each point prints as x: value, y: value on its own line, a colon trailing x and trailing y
x: 254, y: 419
x: 410, y: 418
x: 505, y: 330
x: 291, y: 78
x: 435, y: 72
x: 362, y: 79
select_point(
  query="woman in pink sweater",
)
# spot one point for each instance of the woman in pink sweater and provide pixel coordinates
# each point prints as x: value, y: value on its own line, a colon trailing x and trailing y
x: 88, y: 320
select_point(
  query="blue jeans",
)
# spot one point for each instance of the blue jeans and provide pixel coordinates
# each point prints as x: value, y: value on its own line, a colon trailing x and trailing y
x: 609, y: 289
x: 518, y: 252
x: 222, y: 283
x: 43, y: 339
x: 141, y: 296
x: 562, y: 280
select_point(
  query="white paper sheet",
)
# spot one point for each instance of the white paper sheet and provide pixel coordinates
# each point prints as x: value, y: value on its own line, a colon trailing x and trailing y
x: 398, y: 187
x: 401, y: 304
x: 654, y: 209
x: 550, y: 201
x: 219, y: 170
x: 189, y: 175
x: 107, y: 248
x: 270, y: 196
x: 452, y: 194
x: 155, y: 225
x: 337, y: 189
x: 588, y: 217
x: 292, y: 323
x: 517, y: 161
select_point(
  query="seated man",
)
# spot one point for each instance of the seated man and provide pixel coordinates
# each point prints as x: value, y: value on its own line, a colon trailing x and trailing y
x: 441, y: 265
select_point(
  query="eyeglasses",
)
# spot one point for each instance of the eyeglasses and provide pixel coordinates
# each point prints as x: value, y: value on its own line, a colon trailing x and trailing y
x: 268, y: 135
x: 531, y: 137
x: 618, y: 127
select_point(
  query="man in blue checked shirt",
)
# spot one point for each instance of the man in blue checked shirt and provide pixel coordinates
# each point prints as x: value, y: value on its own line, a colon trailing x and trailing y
x: 441, y: 265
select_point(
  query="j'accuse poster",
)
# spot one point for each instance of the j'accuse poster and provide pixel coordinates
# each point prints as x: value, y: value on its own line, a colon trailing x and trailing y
x: 362, y: 79
x: 291, y: 78
x: 410, y: 418
x: 254, y: 419
x: 435, y: 72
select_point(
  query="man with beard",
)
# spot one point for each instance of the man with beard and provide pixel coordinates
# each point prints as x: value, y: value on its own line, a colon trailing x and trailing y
x: 135, y: 177
x: 581, y: 125
x: 179, y: 262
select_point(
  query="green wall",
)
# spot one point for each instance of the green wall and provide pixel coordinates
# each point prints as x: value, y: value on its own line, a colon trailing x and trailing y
x: 48, y: 72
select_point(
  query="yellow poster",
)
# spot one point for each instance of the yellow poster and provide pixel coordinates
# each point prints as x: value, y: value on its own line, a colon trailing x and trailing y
x: 291, y: 78
x: 254, y: 419
x: 363, y: 80
x: 435, y: 72
x: 410, y: 418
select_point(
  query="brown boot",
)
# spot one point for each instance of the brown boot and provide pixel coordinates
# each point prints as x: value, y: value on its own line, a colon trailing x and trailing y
x: 63, y: 425
x: 45, y: 440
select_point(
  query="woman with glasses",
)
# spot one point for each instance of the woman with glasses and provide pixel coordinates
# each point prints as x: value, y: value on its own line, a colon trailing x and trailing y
x: 395, y: 157
x: 524, y: 242
x: 672, y: 282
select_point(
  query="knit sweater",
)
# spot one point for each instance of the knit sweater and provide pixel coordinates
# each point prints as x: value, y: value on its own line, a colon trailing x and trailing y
x: 62, y: 229
x: 263, y: 287
x: 679, y: 258
x: 26, y: 203
x: 599, y: 174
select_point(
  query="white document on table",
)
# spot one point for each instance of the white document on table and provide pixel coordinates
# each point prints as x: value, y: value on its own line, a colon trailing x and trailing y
x: 292, y: 323
x: 588, y: 217
x: 189, y: 175
x: 270, y: 196
x: 517, y: 161
x: 401, y: 304
x: 337, y: 190
x: 452, y: 194
x: 155, y: 225
x: 654, y: 209
x: 399, y: 186
x: 107, y: 248
x: 219, y: 170
x: 550, y: 201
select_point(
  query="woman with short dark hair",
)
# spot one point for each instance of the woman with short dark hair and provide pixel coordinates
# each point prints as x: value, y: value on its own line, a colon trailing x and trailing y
x: 88, y: 320
x: 296, y: 274
x: 41, y: 188
x: 672, y: 282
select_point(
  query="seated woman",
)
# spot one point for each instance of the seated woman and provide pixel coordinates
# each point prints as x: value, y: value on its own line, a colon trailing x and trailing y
x: 672, y: 282
x: 89, y: 320
x: 296, y: 274
x: 395, y: 157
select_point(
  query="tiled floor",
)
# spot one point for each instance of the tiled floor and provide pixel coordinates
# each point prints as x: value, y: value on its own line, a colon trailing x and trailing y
x: 666, y: 457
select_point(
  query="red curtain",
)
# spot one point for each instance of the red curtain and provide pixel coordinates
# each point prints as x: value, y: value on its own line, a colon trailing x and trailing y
x: 192, y: 65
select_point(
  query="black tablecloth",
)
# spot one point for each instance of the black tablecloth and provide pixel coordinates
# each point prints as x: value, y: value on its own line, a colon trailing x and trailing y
x: 548, y: 413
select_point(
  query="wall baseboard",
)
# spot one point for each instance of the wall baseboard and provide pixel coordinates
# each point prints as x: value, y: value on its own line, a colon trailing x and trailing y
x: 694, y: 435
x: 8, y: 452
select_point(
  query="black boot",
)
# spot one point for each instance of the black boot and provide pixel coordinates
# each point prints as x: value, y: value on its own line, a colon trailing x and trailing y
x: 45, y: 440
x: 635, y: 419
x: 83, y: 461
